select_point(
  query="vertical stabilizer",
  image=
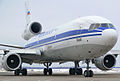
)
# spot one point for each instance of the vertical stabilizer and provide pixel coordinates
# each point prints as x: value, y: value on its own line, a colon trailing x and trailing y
x: 32, y: 28
x: 28, y: 12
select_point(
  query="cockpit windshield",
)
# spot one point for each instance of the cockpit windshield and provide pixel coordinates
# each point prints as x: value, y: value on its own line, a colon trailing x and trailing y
x: 110, y: 25
x: 96, y: 25
x: 104, y: 25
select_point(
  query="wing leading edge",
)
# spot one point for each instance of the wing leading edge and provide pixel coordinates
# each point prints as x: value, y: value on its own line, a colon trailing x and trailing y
x: 12, y: 46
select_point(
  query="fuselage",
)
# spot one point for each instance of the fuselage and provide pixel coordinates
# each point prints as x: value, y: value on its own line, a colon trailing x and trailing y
x: 84, y: 38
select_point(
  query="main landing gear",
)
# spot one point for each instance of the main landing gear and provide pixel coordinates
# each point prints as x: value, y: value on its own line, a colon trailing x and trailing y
x: 76, y: 70
x: 88, y: 73
x: 72, y: 71
x: 20, y: 70
x: 47, y: 70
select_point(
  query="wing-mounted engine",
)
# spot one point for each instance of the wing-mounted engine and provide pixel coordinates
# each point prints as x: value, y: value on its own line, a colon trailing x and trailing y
x: 11, y: 62
x: 105, y: 62
x: 31, y: 30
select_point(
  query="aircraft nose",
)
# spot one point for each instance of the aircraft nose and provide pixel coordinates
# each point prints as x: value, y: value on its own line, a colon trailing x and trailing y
x: 110, y: 37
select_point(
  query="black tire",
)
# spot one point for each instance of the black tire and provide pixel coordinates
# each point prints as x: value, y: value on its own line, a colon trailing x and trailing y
x: 24, y: 72
x: 86, y: 73
x: 72, y: 71
x: 50, y: 71
x: 17, y: 72
x: 79, y: 71
x: 91, y: 73
x: 45, y: 71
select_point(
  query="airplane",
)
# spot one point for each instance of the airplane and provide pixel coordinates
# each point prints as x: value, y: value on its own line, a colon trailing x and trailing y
x: 86, y: 39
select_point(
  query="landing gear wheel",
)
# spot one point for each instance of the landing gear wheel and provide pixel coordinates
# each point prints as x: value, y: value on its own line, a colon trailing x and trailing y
x: 88, y: 73
x: 72, y: 71
x: 45, y: 71
x: 17, y: 72
x: 79, y: 71
x: 91, y: 73
x: 24, y: 72
x: 50, y: 71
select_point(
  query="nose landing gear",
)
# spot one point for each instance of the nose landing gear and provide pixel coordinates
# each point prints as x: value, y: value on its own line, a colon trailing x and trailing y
x: 47, y: 70
x: 88, y: 73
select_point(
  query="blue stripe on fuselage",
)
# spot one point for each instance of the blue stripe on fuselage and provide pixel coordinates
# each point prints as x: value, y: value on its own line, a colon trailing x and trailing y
x: 67, y: 39
x: 104, y: 28
x: 66, y: 34
x: 63, y: 35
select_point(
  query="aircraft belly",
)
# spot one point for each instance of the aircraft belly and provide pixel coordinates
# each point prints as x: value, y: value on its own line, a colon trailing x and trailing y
x: 71, y: 50
x: 78, y: 52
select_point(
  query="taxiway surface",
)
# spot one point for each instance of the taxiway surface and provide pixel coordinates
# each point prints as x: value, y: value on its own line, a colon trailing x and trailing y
x: 38, y: 76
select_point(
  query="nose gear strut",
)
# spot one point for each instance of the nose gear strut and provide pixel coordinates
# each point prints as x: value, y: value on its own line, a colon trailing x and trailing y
x: 88, y: 73
x: 47, y: 70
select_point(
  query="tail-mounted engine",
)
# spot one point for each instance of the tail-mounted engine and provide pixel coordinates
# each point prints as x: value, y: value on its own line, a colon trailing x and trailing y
x: 11, y: 62
x: 105, y: 62
x: 32, y: 29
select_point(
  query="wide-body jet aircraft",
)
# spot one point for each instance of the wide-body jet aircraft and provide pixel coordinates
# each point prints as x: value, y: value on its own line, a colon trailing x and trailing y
x: 83, y: 39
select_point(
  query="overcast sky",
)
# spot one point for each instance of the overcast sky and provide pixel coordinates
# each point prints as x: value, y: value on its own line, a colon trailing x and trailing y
x: 51, y: 13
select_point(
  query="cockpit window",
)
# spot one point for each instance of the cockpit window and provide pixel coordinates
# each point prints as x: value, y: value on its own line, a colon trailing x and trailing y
x: 94, y: 26
x: 111, y: 25
x: 97, y: 25
x: 104, y: 25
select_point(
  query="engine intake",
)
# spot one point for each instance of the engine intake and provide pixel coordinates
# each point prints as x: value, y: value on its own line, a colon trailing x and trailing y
x: 105, y: 62
x: 11, y: 62
x: 34, y: 28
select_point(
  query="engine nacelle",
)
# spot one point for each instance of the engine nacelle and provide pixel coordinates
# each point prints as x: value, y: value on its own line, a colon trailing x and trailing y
x: 11, y: 62
x: 32, y: 29
x: 105, y: 62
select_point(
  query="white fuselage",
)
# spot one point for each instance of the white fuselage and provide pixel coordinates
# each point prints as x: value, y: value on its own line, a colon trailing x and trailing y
x: 75, y: 40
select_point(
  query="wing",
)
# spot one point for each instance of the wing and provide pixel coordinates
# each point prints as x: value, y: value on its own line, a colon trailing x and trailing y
x: 12, y: 46
x: 27, y: 55
x: 115, y: 52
